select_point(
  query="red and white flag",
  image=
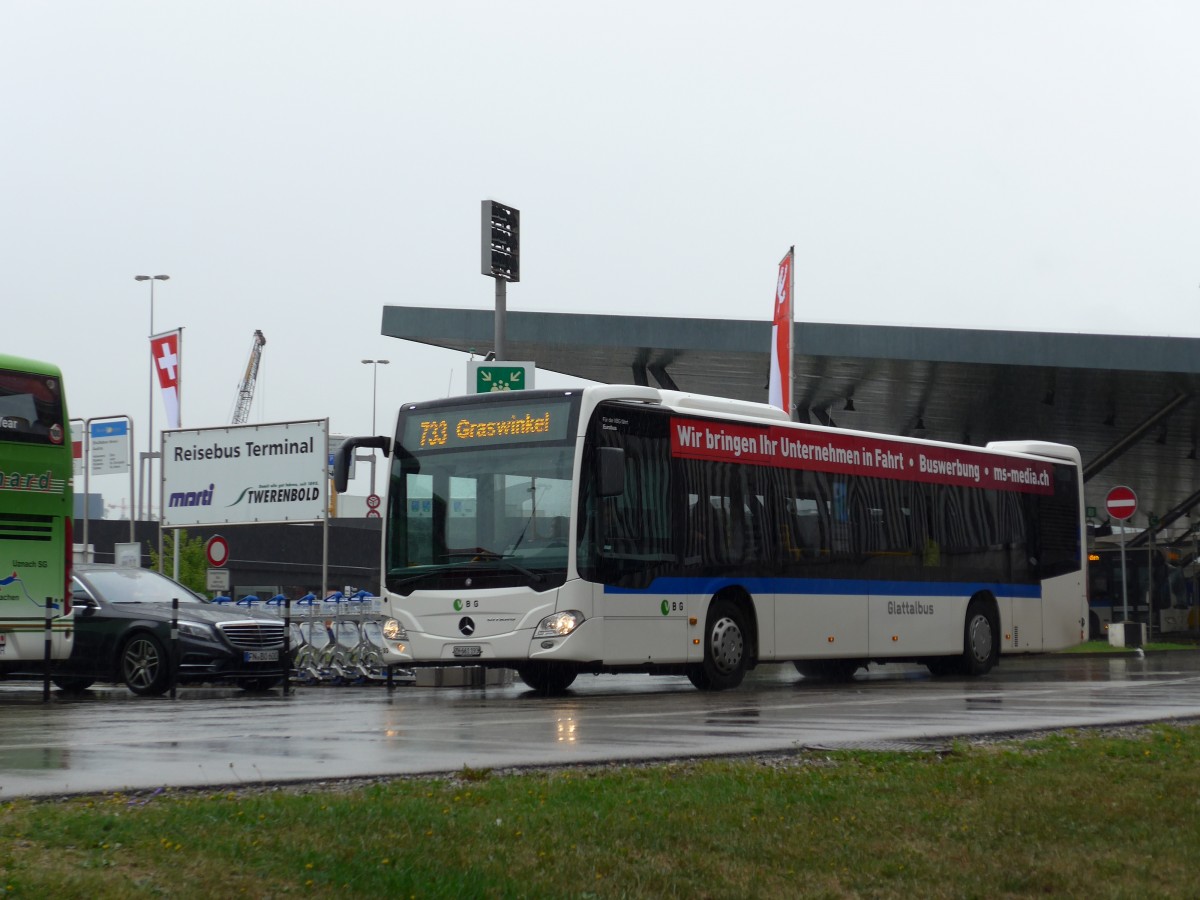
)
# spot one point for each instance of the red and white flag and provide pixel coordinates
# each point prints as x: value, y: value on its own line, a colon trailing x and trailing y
x: 164, y: 351
x: 780, y: 387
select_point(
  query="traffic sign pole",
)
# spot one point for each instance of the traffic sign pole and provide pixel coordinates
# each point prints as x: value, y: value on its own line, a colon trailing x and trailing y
x: 1121, y: 504
x: 1124, y: 581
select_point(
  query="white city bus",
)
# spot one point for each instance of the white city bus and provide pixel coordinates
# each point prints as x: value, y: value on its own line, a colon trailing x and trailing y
x: 630, y: 529
x: 1154, y: 579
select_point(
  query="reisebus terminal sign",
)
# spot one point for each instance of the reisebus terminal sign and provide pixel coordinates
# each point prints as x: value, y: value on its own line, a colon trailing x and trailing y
x: 245, y: 473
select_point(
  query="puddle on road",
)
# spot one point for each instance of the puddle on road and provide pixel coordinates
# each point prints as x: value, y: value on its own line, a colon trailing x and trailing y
x: 35, y: 759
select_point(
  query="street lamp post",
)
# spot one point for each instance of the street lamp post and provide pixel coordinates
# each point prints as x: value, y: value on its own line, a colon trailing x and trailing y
x: 374, y: 364
x: 150, y: 428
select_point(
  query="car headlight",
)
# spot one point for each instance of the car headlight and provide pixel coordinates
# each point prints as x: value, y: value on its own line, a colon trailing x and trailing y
x: 196, y: 629
x: 559, y: 624
x: 394, y: 631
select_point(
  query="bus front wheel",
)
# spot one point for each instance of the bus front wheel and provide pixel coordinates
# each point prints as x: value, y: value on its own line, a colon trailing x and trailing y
x: 724, y: 664
x: 546, y: 678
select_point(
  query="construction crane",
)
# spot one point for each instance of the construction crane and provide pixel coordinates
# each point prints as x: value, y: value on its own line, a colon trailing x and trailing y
x: 241, y: 409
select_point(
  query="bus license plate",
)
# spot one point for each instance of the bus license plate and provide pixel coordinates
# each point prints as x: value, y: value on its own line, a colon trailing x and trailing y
x: 260, y: 656
x: 468, y: 650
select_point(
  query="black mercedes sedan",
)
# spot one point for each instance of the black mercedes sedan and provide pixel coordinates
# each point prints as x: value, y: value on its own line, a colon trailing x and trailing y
x: 123, y: 635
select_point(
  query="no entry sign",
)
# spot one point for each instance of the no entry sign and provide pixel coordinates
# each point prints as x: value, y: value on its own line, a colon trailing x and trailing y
x: 1121, y: 503
x: 217, y: 550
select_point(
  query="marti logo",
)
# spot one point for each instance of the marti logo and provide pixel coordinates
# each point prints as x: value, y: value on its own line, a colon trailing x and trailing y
x: 191, y: 498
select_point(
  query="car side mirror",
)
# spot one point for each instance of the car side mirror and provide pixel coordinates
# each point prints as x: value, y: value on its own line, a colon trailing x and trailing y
x: 83, y: 601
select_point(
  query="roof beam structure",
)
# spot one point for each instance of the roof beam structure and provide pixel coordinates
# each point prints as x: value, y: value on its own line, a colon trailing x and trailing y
x: 960, y: 385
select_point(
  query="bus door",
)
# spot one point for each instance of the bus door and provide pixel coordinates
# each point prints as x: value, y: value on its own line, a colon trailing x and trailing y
x: 819, y: 610
x: 631, y: 553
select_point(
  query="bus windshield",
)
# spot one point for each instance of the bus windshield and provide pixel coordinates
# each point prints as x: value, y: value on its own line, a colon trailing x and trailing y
x: 31, y: 408
x: 481, y: 494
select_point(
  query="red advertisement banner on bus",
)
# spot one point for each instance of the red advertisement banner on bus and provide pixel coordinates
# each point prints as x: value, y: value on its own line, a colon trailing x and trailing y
x: 855, y: 454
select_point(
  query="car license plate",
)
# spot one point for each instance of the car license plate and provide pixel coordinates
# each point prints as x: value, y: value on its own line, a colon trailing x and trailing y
x: 468, y: 650
x: 260, y: 656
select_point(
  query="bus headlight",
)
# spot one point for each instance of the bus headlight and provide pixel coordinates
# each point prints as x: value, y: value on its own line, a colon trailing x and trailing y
x: 394, y: 631
x: 559, y: 624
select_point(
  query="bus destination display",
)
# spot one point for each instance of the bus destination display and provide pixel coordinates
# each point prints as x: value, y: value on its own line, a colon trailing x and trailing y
x: 487, y: 425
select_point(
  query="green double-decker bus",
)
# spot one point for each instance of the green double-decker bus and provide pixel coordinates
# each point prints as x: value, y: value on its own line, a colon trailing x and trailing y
x: 36, y: 509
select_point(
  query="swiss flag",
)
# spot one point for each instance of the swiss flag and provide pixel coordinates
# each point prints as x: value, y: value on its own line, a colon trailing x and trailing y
x: 164, y: 351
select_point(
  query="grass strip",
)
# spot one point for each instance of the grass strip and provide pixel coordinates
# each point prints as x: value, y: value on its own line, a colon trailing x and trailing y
x: 1073, y: 814
x: 1106, y: 647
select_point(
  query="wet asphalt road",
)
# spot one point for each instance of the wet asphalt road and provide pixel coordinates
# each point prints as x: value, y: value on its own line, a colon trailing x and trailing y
x: 108, y: 740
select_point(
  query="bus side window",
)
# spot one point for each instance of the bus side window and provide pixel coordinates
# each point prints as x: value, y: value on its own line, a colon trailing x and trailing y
x: 719, y: 533
x: 804, y: 537
x: 696, y: 532
x: 758, y: 543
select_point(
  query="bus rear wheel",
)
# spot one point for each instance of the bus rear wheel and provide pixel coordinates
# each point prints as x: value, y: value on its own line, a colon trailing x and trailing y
x: 546, y: 678
x: 724, y: 664
x: 981, y: 649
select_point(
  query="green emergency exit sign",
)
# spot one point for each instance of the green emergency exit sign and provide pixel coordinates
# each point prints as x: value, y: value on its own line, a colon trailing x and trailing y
x: 485, y: 377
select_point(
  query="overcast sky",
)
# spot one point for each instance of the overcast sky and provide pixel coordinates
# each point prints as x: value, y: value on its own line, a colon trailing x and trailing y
x: 296, y: 166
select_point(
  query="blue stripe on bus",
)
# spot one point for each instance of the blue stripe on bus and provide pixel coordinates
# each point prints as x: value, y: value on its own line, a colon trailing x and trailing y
x: 832, y: 586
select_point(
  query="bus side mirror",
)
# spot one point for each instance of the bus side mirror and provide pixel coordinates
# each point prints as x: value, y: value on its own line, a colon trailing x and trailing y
x: 612, y: 471
x: 345, y: 453
x: 341, y: 467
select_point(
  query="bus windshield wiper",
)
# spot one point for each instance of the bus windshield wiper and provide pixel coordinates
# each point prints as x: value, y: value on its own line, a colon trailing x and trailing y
x: 483, y: 555
x: 411, y: 579
x: 529, y: 573
x: 473, y: 552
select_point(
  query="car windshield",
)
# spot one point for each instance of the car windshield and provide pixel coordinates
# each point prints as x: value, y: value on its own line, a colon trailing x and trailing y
x: 136, y: 586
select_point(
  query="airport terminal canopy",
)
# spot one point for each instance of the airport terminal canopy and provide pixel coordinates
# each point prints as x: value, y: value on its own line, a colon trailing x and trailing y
x: 1129, y: 403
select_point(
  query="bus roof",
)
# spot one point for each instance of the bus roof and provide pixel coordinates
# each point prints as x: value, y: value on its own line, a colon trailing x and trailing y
x: 24, y: 364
